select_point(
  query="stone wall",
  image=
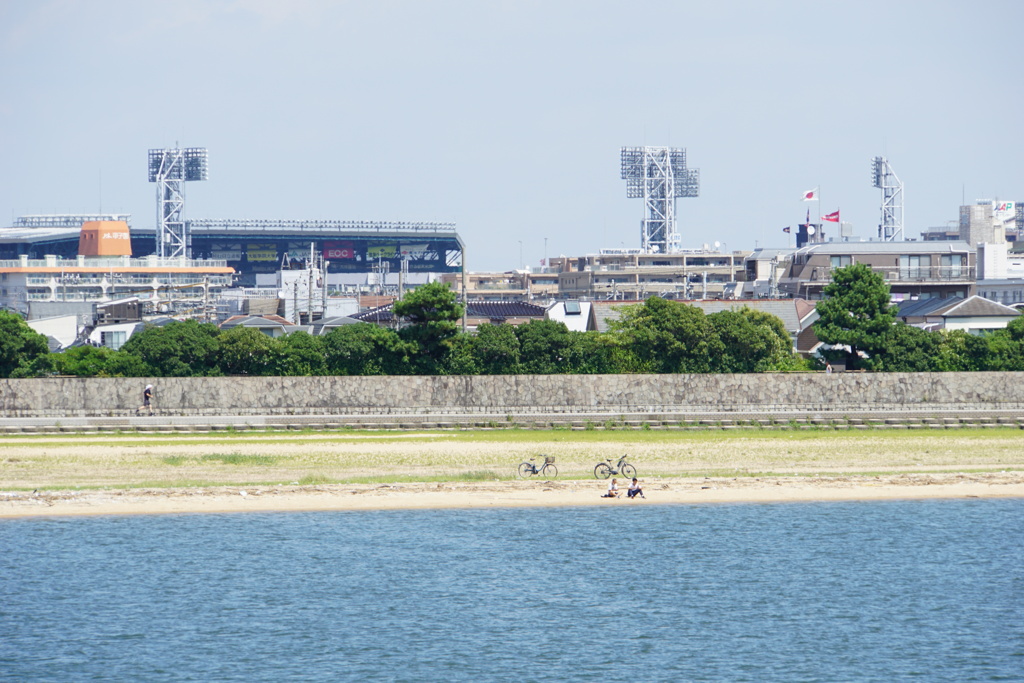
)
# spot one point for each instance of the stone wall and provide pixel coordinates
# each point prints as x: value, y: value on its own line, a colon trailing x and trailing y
x: 522, y: 396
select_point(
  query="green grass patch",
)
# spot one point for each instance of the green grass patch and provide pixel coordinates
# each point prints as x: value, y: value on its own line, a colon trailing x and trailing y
x: 241, y: 459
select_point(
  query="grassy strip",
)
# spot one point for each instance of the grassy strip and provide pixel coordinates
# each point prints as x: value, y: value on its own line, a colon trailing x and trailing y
x: 180, y: 460
x: 510, y: 436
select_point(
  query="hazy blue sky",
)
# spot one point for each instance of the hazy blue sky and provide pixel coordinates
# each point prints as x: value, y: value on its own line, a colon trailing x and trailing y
x: 507, y: 117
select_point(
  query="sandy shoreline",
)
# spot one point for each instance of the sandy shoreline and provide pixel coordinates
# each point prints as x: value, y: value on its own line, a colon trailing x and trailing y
x: 505, y: 494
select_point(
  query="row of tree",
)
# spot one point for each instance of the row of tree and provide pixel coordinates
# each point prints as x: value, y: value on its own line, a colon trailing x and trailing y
x: 657, y: 336
x: 857, y: 321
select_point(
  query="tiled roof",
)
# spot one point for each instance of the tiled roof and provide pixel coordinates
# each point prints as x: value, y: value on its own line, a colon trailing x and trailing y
x: 381, y: 314
x: 258, y: 321
x: 503, y: 309
x: 327, y: 324
x: 924, y: 307
x: 980, y: 307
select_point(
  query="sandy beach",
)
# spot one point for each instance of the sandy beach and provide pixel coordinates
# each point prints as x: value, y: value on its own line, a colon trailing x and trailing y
x: 132, y: 474
x: 685, y: 491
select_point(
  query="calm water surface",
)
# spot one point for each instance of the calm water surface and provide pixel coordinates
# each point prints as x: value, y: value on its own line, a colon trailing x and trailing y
x: 925, y: 591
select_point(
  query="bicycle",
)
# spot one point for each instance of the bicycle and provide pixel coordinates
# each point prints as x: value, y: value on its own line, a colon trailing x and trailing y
x: 547, y: 468
x: 605, y: 469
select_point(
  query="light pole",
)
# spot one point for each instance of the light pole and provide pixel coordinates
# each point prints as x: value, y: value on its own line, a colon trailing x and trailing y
x: 545, y: 252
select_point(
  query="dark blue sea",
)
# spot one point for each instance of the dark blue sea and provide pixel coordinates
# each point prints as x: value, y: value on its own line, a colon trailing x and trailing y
x: 890, y: 591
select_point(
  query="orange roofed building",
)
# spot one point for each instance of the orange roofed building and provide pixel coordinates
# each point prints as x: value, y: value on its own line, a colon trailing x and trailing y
x: 105, y: 271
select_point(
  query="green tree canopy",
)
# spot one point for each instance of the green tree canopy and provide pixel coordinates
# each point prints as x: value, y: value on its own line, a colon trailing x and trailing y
x: 20, y: 345
x: 544, y: 347
x: 247, y: 351
x: 433, y: 313
x: 751, y: 341
x: 301, y: 354
x: 496, y: 349
x: 178, y: 349
x: 366, y: 349
x: 668, y: 336
x: 907, y: 349
x: 856, y: 312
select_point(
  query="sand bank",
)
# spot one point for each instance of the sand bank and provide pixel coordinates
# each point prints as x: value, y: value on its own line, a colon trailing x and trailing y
x: 505, y: 494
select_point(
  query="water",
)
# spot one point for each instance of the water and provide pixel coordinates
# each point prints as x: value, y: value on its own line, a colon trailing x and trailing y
x: 929, y: 591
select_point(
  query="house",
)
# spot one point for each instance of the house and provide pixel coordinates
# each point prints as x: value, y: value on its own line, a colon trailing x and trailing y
x: 270, y: 325
x: 975, y: 314
x: 578, y: 316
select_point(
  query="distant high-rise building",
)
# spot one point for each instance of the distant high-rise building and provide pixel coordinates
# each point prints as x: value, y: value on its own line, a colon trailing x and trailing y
x: 986, y: 222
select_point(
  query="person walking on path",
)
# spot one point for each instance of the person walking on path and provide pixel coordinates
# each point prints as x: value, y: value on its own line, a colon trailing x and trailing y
x: 147, y: 399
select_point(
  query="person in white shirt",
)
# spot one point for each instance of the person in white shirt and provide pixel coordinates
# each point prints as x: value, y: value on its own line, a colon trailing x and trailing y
x: 613, y: 490
x: 635, y: 489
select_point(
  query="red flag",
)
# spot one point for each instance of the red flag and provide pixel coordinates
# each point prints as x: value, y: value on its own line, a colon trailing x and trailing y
x: 832, y: 217
x: 810, y: 195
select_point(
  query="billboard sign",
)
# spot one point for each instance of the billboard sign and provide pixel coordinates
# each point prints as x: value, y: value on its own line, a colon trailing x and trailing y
x: 378, y: 251
x: 1005, y: 213
x: 339, y: 251
x: 414, y: 251
x: 261, y: 252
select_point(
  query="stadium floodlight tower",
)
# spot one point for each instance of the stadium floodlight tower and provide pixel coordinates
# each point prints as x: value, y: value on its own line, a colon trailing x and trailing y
x: 659, y: 175
x: 891, y: 227
x: 170, y: 169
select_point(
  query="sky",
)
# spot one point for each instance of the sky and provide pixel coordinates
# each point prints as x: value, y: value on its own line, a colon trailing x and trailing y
x: 507, y: 117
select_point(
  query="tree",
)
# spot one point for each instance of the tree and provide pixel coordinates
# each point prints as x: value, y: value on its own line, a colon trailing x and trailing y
x: 667, y: 336
x: 247, y: 351
x: 750, y: 342
x: 961, y: 352
x: 20, y: 345
x: 908, y: 349
x: 83, y: 361
x: 178, y: 349
x: 856, y: 312
x: 434, y: 315
x: 301, y: 354
x: 496, y: 349
x: 366, y: 349
x: 544, y: 347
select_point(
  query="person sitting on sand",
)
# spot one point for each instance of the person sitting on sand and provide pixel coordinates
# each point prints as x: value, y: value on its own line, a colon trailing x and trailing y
x: 635, y: 489
x: 613, y: 490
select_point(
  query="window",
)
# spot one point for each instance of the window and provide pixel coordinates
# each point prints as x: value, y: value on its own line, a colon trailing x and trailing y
x: 915, y: 267
x: 572, y: 307
x: 841, y: 261
x: 113, y: 340
x: 951, y: 265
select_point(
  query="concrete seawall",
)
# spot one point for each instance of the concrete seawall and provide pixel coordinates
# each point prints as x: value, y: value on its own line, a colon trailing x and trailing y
x: 526, y: 400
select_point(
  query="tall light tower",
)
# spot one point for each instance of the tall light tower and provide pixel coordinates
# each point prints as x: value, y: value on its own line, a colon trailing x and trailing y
x: 659, y: 175
x: 170, y: 169
x: 891, y: 227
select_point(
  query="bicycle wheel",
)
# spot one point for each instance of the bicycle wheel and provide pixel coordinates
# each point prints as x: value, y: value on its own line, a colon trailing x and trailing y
x: 628, y: 471
x: 525, y: 470
x: 603, y: 470
x: 549, y: 470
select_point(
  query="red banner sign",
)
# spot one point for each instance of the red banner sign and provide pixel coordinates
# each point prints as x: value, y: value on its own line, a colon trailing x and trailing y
x: 339, y: 250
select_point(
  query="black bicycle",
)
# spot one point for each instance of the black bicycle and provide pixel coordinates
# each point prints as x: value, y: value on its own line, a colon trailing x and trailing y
x: 547, y: 468
x: 605, y: 469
